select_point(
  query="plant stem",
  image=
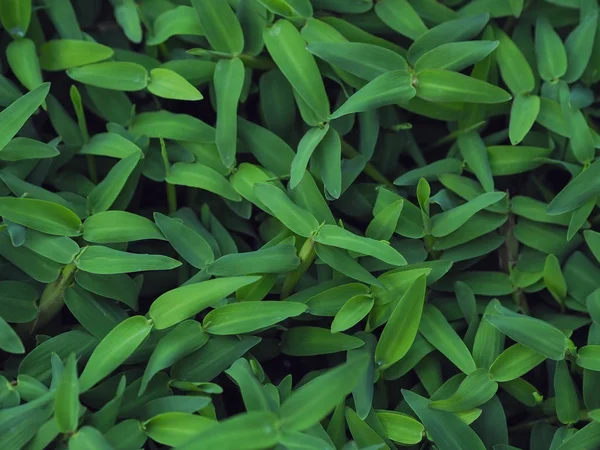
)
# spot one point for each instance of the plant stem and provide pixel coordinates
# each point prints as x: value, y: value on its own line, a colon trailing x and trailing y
x: 307, y: 256
x: 51, y: 301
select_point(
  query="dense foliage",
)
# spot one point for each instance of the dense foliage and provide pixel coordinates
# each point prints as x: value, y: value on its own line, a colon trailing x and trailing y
x: 299, y: 224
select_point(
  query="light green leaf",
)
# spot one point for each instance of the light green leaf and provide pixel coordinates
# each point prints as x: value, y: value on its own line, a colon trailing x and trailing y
x: 288, y: 50
x: 449, y: 221
x: 436, y: 329
x: 221, y: 26
x: 184, y: 302
x: 313, y: 401
x: 13, y: 117
x: 392, y: 87
x: 105, y: 261
x: 401, y: 329
x: 306, y: 147
x: 169, y: 84
x: 246, y: 317
x: 400, y: 16
x: 41, y: 215
x: 298, y: 220
x: 116, y: 75
x: 228, y: 83
x: 119, y: 226
x: 550, y: 51
x: 438, y: 85
x: 66, y: 402
x: 185, y: 338
x: 524, y: 112
x: 114, y: 349
x: 62, y: 54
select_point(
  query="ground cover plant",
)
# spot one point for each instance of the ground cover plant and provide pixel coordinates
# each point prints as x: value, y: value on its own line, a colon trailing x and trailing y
x: 299, y: 224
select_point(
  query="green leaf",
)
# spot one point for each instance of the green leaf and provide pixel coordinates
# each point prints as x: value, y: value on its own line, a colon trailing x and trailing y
x: 366, y: 61
x: 252, y: 391
x: 96, y: 316
x: 252, y: 431
x: 180, y: 127
x: 23, y: 59
x: 438, y: 85
x: 447, y: 430
x: 430, y: 172
x: 62, y: 54
x: 578, y: 191
x: 228, y: 83
x: 566, y: 397
x: 549, y: 50
x: 246, y: 317
x: 400, y: 16
x: 475, y: 390
x: 19, y: 149
x: 199, y: 176
x: 88, y: 438
x: 328, y: 160
x: 126, y: 14
x: 119, y: 76
x: 306, y: 147
x: 313, y: 401
x: 449, y: 221
x: 309, y: 341
x: 169, y: 84
x: 110, y: 144
x: 176, y: 428
x: 213, y: 358
x: 15, y: 16
x: 119, y: 226
x: 288, y: 50
x: 387, y: 89
x: 221, y: 26
x: 102, y: 197
x: 13, y: 117
x: 277, y: 259
x: 335, y: 236
x: 19, y: 424
x: 533, y: 333
x: 114, y: 349
x: 352, y: 312
x: 401, y: 428
x: 436, y: 329
x: 181, y: 20
x: 343, y: 263
x: 9, y: 340
x: 105, y: 261
x: 514, y: 362
x: 588, y: 357
x: 455, y: 56
x: 582, y: 141
x: 450, y: 31
x: 17, y: 301
x: 510, y: 160
x: 402, y: 326
x: 185, y: 338
x: 298, y: 220
x: 554, y: 279
x: 514, y: 68
x: 579, y: 46
x: 524, y: 112
x: 66, y: 402
x: 169, y: 308
x: 186, y: 241
x: 41, y: 215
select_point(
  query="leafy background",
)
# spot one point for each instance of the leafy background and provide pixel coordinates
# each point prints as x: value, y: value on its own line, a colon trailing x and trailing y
x: 299, y: 224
